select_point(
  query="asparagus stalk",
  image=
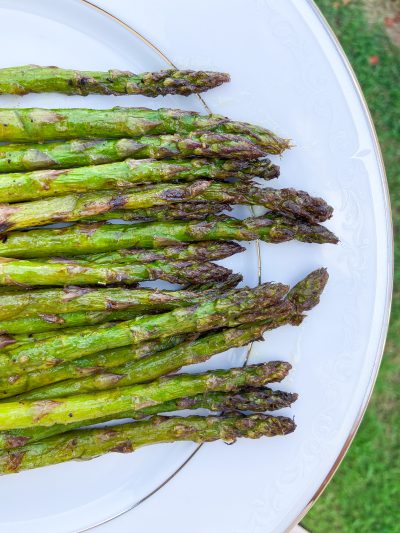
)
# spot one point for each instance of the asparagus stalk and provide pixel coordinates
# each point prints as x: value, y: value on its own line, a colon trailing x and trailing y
x: 125, y: 438
x: 173, y: 211
x: 26, y: 328
x: 230, y: 282
x: 81, y: 407
x: 19, y: 187
x: 31, y: 327
x: 101, y: 237
x: 35, y: 124
x: 11, y: 341
x: 257, y: 400
x: 53, y: 302
x: 161, y: 363
x: 22, y: 273
x: 83, y: 152
x: 34, y: 337
x: 46, y: 322
x: 37, y: 79
x: 121, y: 361
x: 302, y: 297
x: 85, y: 366
x: 224, y: 311
x: 73, y: 207
x: 199, y: 251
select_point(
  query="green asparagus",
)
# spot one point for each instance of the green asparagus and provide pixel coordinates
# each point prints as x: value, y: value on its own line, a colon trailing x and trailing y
x: 125, y: 438
x: 257, y: 400
x: 29, y: 338
x: 227, y: 310
x: 23, y: 273
x: 19, y: 187
x: 173, y: 211
x: 302, y: 297
x: 23, y: 339
x: 37, y: 79
x: 161, y: 363
x: 120, y: 361
x: 198, y: 251
x: 53, y: 302
x: 83, y: 152
x: 48, y: 322
x: 81, y: 407
x: 102, y: 237
x: 35, y: 124
x: 85, y: 366
x: 73, y: 207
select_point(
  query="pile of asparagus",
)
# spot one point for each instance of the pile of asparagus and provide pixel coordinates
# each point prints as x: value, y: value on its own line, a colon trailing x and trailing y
x: 81, y: 342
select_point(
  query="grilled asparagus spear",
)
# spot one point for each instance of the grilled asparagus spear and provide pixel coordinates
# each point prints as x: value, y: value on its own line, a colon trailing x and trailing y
x: 83, y: 152
x: 82, y: 407
x: 90, y: 443
x: 20, y: 187
x: 39, y: 79
x: 101, y: 237
x: 250, y: 399
x: 35, y: 124
x: 235, y: 307
x: 23, y: 273
x: 73, y: 207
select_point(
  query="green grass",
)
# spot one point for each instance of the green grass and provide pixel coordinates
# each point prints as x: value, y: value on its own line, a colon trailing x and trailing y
x: 364, y: 495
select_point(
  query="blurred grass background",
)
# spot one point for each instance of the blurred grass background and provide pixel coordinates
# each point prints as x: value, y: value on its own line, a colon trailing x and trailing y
x: 364, y: 495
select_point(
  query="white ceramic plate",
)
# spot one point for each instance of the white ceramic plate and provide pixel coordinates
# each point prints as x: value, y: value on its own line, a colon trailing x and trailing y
x: 289, y: 74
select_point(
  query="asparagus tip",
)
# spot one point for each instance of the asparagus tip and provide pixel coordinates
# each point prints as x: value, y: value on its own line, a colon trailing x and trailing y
x: 300, y: 204
x: 259, y: 425
x: 306, y: 294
